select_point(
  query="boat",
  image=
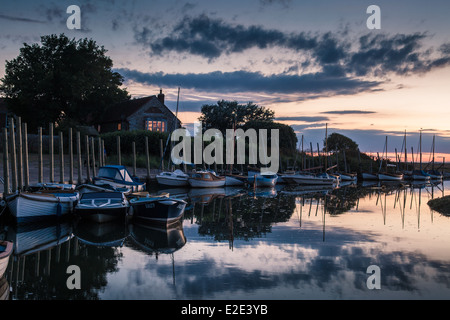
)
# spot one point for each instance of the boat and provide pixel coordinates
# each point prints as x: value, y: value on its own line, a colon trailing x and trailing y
x: 235, y: 180
x: 310, y: 179
x: 6, y: 249
x: 176, y: 178
x: 108, y: 234
x: 206, y: 179
x: 29, y: 206
x: 87, y: 187
x: 420, y: 175
x: 158, y: 209
x: 102, y: 206
x: 4, y: 289
x: 369, y: 176
x: 118, y: 177
x: 435, y: 175
x: 266, y: 179
x: 348, y: 176
x: 386, y: 176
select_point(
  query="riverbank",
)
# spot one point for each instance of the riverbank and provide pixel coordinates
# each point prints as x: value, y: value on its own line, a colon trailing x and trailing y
x: 441, y: 205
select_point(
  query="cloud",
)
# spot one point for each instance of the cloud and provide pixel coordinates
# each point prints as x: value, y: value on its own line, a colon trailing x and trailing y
x: 348, y: 112
x: 20, y: 19
x: 311, y: 119
x: 374, y: 54
x: 245, y: 81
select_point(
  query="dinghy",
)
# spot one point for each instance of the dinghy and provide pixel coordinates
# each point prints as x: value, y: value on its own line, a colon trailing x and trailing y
x: 102, y: 206
x: 206, y: 179
x: 173, y: 179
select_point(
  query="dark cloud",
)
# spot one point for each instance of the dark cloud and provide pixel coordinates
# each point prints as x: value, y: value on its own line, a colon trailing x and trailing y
x: 348, y: 112
x: 20, y: 19
x: 373, y: 54
x: 241, y: 81
x: 311, y: 119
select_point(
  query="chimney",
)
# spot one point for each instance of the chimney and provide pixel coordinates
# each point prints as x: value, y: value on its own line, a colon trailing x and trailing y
x: 161, y: 96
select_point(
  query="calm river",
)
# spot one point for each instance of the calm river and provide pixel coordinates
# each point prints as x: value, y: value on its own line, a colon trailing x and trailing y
x: 282, y: 244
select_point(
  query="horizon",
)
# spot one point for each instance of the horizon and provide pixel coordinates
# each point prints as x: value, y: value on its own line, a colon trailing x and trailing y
x: 313, y: 64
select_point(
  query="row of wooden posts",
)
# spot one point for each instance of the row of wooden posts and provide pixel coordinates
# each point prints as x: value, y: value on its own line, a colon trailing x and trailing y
x: 16, y: 173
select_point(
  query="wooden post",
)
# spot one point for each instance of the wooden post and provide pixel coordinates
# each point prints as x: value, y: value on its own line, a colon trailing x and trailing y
x: 13, y: 155
x: 147, y: 156
x: 133, y: 146
x: 70, y: 156
x: 61, y: 157
x: 52, y: 163
x: 119, y: 157
x: 88, y: 166
x: 40, y: 159
x: 93, y: 156
x: 100, y: 158
x: 161, y: 148
x: 5, y: 163
x: 103, y: 153
x: 19, y: 154
x: 26, y: 169
x: 80, y: 166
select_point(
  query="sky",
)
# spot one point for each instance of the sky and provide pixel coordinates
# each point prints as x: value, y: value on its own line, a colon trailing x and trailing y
x: 315, y: 63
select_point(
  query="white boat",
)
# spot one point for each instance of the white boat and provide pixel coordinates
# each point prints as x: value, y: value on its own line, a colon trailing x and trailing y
x: 102, y: 206
x: 386, y: 176
x: 235, y: 180
x: 420, y: 175
x: 348, y: 176
x: 28, y: 206
x: 262, y: 179
x: 6, y: 249
x: 309, y: 179
x: 118, y: 177
x: 206, y: 179
x: 369, y: 176
x: 173, y: 179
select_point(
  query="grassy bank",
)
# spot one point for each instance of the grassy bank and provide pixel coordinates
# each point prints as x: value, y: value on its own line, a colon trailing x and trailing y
x: 441, y: 205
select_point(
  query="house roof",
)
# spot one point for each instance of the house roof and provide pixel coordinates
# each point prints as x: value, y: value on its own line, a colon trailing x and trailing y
x: 125, y: 109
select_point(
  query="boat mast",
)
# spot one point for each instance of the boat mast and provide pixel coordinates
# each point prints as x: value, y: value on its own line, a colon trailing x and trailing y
x: 420, y: 148
x: 326, y: 147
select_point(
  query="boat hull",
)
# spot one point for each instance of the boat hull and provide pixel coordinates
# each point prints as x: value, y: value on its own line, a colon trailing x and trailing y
x: 388, y: 177
x: 369, y: 176
x: 165, y: 211
x: 309, y: 180
x: 197, y: 183
x: 28, y: 207
x: 5, y: 253
x: 172, y: 181
x: 102, y: 215
x: 116, y: 184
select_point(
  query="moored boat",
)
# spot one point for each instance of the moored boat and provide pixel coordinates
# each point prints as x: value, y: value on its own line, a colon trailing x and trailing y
x: 420, y: 175
x: 386, y: 176
x: 29, y: 206
x: 310, y: 179
x: 6, y: 249
x: 262, y: 179
x: 176, y: 178
x: 159, y: 209
x: 118, y: 177
x: 206, y: 179
x: 102, y: 206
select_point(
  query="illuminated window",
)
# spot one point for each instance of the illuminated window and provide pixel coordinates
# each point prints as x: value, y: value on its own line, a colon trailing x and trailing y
x: 155, y: 125
x: 119, y: 126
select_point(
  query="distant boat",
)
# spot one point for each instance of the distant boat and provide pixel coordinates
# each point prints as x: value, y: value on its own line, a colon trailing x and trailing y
x: 102, y: 206
x: 262, y: 179
x: 87, y: 187
x: 159, y: 209
x: 369, y: 176
x: 420, y: 175
x: 235, y: 180
x: 206, y: 179
x: 309, y: 179
x: 386, y: 176
x: 435, y: 175
x: 28, y: 206
x: 348, y: 176
x: 173, y: 179
x: 6, y: 249
x: 118, y: 177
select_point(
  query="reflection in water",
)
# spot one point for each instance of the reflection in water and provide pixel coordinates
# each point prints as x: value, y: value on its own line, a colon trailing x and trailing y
x: 281, y: 243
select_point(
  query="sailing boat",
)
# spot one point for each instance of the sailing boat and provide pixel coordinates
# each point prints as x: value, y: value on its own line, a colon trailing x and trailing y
x: 434, y: 174
x: 176, y: 178
x: 389, y: 176
x: 420, y: 175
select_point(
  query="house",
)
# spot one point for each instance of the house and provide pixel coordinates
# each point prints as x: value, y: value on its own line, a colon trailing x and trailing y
x: 148, y: 113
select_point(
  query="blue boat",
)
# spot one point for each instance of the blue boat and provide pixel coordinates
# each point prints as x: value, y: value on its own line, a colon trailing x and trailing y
x: 118, y: 177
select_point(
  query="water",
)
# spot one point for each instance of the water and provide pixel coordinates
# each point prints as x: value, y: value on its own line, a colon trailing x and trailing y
x: 281, y: 244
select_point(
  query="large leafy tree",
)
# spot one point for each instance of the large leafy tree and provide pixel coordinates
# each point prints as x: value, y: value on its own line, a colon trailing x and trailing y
x: 230, y: 114
x: 337, y: 142
x: 61, y: 80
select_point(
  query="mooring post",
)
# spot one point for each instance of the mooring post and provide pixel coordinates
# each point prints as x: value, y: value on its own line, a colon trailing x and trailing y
x: 103, y: 153
x: 13, y: 155
x: 5, y: 163
x: 50, y: 151
x: 119, y: 157
x: 26, y: 169
x: 70, y: 156
x: 93, y: 156
x: 80, y: 167
x: 40, y: 158
x: 61, y: 157
x: 133, y: 146
x: 88, y: 166
x: 161, y: 152
x: 147, y: 156
x: 100, y: 158
x: 19, y: 154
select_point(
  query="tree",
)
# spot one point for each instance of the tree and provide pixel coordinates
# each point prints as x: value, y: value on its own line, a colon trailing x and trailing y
x: 337, y: 142
x: 61, y: 80
x: 229, y: 114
